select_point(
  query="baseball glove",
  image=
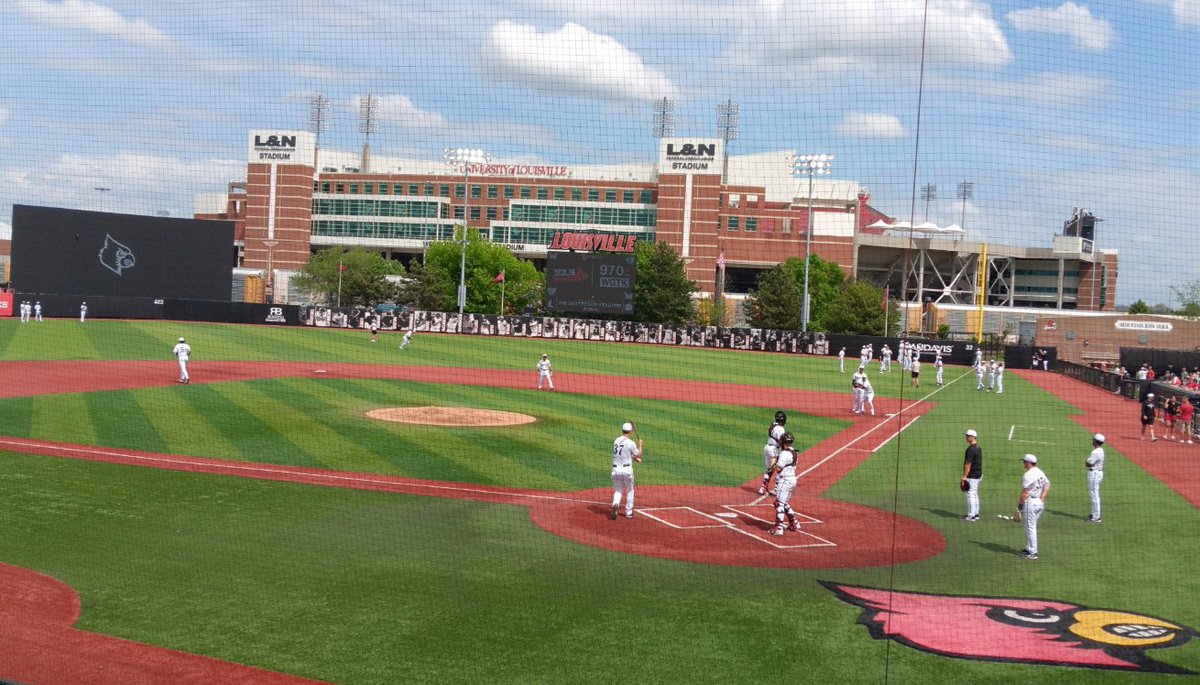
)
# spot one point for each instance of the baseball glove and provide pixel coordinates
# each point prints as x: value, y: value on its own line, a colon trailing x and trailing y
x: 964, y: 485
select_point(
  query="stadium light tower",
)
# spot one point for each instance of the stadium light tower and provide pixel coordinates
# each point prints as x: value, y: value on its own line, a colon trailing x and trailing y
x: 664, y: 118
x: 465, y: 158
x: 810, y: 165
x: 318, y: 123
x: 928, y: 193
x: 728, y: 119
x: 368, y: 123
x: 966, y: 191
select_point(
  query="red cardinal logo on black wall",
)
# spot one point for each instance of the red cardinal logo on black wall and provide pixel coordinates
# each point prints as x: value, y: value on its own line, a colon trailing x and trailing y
x: 1032, y: 631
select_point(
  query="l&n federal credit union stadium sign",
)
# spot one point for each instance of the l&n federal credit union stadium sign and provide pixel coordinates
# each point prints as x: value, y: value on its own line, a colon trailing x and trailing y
x: 690, y: 156
x: 282, y: 147
x: 1153, y: 326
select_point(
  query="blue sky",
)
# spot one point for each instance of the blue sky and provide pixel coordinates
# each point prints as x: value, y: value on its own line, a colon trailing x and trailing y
x: 1043, y: 106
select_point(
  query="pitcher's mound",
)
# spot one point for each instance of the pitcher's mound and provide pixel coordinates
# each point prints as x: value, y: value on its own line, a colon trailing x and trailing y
x: 450, y: 416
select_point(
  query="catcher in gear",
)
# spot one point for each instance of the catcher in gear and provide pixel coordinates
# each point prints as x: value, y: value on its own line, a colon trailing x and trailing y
x: 785, y: 483
x: 771, y: 450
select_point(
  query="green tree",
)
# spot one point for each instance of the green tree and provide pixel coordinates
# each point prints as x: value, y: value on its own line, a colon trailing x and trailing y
x: 428, y: 289
x: 778, y: 302
x: 825, y: 280
x: 662, y: 292
x: 856, y: 309
x: 362, y: 277
x: 1189, y: 298
x: 522, y: 288
x: 1139, y: 307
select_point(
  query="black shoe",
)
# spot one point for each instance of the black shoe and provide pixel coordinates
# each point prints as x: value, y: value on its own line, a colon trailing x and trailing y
x: 613, y: 514
x: 1031, y: 556
x: 970, y: 519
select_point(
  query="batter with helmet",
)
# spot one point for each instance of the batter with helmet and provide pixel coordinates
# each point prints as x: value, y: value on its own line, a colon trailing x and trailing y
x: 785, y: 483
x: 771, y: 451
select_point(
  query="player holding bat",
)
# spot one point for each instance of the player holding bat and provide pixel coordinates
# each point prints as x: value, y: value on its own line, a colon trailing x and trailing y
x: 624, y: 452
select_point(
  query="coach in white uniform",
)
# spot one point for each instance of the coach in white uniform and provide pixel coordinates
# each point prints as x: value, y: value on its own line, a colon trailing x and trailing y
x: 624, y: 453
x: 1035, y: 486
x: 1095, y: 474
x: 543, y: 368
x: 785, y: 483
x: 183, y: 352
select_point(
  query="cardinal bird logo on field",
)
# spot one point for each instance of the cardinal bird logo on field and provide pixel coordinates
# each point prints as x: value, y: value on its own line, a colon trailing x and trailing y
x: 1031, y: 631
x: 116, y: 257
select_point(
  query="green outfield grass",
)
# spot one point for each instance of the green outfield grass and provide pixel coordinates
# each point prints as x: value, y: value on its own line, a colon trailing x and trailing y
x: 364, y: 587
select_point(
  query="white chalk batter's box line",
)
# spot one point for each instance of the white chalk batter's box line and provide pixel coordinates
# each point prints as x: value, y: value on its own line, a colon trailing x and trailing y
x: 1012, y: 429
x: 720, y: 521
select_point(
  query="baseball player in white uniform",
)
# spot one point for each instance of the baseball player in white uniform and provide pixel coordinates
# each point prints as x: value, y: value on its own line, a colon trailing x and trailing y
x: 543, y: 369
x: 857, y: 388
x: 771, y: 451
x: 991, y: 374
x: 905, y: 356
x: 1095, y: 474
x: 83, y: 312
x: 624, y: 453
x: 1035, y: 486
x: 885, y: 359
x: 374, y: 328
x: 37, y: 311
x: 1000, y: 378
x: 183, y: 352
x: 842, y: 360
x: 868, y: 395
x: 785, y: 483
x: 407, y: 337
x: 937, y: 365
x: 980, y: 368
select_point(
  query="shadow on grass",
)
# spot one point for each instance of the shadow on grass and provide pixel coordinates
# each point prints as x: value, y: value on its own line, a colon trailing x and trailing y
x: 1000, y: 549
x: 944, y: 514
x: 1056, y: 512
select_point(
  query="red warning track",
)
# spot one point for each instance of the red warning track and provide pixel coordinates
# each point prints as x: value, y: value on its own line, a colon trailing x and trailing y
x: 726, y: 526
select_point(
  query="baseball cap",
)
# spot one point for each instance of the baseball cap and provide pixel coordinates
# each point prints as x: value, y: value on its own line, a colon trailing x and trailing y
x: 1029, y: 458
x: 181, y: 340
x: 972, y: 434
x: 1149, y: 395
x: 1098, y: 437
x: 626, y: 427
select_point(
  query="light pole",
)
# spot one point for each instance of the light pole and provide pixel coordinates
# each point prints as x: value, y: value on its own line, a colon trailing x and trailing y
x: 928, y: 192
x: 270, y: 269
x: 464, y: 157
x: 810, y: 165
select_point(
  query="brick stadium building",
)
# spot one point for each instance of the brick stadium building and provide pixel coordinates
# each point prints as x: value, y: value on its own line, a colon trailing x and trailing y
x: 750, y: 208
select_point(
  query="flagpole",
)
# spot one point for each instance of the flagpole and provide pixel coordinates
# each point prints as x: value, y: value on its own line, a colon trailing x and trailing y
x: 885, y: 311
x: 502, y: 282
x: 340, y: 267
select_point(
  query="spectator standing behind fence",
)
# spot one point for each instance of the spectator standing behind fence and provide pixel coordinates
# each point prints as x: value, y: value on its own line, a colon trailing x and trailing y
x: 1186, y: 410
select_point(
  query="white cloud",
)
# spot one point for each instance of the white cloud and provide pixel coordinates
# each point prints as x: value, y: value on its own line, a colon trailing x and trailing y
x: 96, y: 18
x: 1058, y: 90
x: 1074, y: 21
x: 861, y: 125
x: 398, y: 109
x: 870, y: 36
x: 573, y: 59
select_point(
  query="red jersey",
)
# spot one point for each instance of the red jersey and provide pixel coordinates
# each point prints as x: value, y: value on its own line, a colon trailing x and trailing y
x: 1185, y: 411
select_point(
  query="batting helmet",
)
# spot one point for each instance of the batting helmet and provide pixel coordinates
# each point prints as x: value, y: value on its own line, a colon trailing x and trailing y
x: 780, y: 418
x: 787, y: 439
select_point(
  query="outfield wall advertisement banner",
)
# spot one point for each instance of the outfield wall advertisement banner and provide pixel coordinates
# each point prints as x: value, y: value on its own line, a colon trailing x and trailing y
x: 97, y: 254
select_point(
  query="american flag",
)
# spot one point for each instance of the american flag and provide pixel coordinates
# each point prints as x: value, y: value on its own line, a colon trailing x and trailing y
x: 721, y: 260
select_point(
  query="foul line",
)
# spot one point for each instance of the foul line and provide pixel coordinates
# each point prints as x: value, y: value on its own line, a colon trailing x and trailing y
x: 301, y: 477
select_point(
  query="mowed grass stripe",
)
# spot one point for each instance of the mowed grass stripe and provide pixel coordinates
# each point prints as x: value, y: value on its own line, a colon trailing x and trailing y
x: 276, y: 405
x: 118, y: 419
x: 181, y: 427
x: 249, y: 425
x: 62, y: 418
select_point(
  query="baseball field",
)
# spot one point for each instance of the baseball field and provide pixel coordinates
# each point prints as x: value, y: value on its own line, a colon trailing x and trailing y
x: 266, y: 522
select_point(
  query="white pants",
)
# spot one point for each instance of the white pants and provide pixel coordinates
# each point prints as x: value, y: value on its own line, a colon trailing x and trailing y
x: 999, y: 384
x: 622, y: 480
x: 972, y: 494
x: 991, y: 381
x: 769, y: 454
x: 869, y: 401
x: 842, y: 364
x: 783, y: 501
x: 183, y: 374
x: 1033, y: 512
x: 545, y: 376
x: 1094, y: 478
x: 939, y: 376
x: 979, y: 381
x: 858, y: 400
